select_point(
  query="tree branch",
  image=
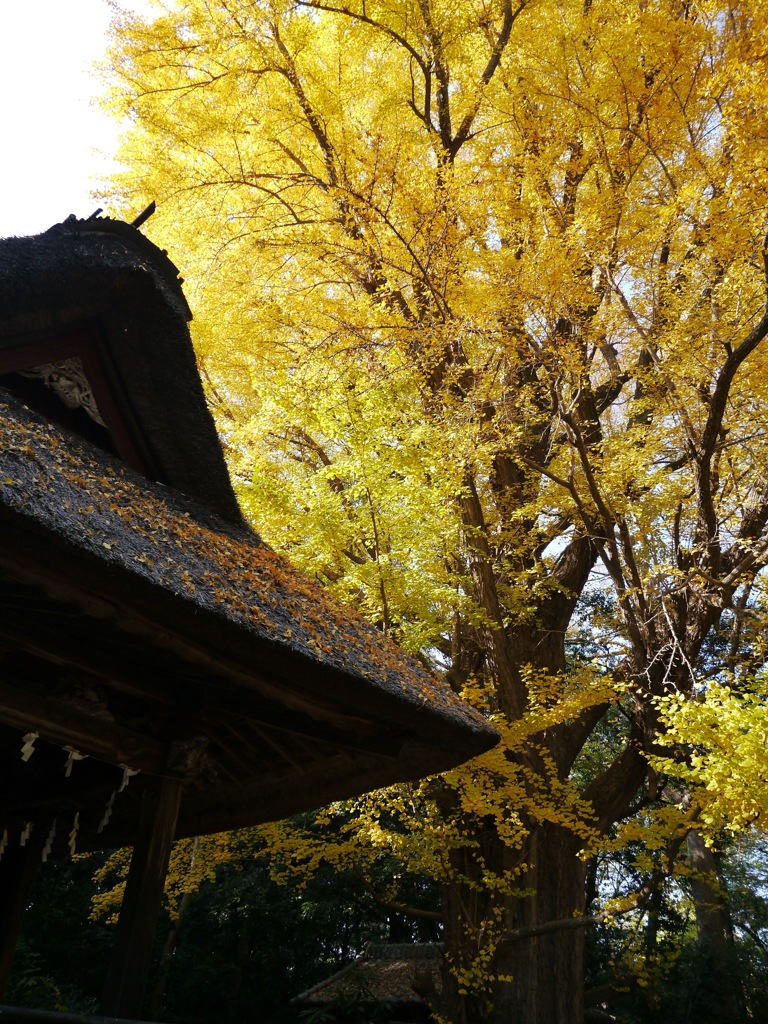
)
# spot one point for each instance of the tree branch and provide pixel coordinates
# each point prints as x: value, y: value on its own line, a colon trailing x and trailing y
x: 397, y: 908
x: 510, y: 17
x: 358, y: 16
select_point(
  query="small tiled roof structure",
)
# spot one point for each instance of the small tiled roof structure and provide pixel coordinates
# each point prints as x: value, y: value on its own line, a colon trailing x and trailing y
x: 395, y: 976
x: 164, y: 672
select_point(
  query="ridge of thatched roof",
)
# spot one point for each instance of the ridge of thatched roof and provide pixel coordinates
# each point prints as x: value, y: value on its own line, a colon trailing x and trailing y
x: 95, y: 244
x: 107, y: 281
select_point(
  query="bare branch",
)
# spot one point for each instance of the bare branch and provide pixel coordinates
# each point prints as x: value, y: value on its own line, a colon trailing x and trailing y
x: 717, y: 404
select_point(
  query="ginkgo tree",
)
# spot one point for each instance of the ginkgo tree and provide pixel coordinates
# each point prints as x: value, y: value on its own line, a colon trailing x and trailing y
x: 480, y: 291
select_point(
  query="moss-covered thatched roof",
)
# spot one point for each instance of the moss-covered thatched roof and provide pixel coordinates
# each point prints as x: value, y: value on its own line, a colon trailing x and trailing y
x: 145, y: 625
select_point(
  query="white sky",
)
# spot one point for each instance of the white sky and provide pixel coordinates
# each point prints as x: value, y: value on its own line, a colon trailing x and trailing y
x: 50, y: 132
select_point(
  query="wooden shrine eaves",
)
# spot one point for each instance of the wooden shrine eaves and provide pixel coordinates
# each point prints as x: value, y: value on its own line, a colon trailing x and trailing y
x: 148, y: 709
x: 208, y: 589
x: 217, y: 661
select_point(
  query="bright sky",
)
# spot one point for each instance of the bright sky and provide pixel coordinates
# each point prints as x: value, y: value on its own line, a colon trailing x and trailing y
x: 50, y: 131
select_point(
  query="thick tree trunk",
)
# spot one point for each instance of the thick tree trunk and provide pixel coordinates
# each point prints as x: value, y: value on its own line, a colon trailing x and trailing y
x: 547, y: 971
x: 712, y: 932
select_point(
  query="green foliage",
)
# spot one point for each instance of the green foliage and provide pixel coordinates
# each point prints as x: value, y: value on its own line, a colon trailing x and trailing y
x: 31, y: 986
x: 241, y: 940
x: 62, y: 958
x: 245, y: 941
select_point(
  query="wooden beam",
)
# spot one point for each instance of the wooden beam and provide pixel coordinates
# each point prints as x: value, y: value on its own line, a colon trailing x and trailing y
x: 243, y: 707
x: 59, y: 722
x: 24, y: 1015
x: 210, y: 654
x: 95, y: 645
x: 76, y: 646
x: 18, y: 868
x: 131, y: 956
x: 65, y: 634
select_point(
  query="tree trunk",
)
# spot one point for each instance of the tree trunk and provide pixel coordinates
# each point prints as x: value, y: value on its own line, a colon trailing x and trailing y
x: 712, y: 934
x: 547, y: 971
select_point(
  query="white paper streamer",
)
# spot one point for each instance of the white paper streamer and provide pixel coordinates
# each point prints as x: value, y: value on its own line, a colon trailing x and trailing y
x: 72, y: 756
x: 25, y: 833
x: 107, y: 813
x: 49, y: 841
x: 73, y: 833
x: 128, y: 774
x: 3, y: 842
x: 29, y: 745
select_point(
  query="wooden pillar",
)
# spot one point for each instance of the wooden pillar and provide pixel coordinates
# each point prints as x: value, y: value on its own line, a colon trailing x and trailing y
x: 18, y: 869
x: 127, y: 978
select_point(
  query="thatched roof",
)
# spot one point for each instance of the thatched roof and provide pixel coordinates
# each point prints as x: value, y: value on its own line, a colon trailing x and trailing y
x: 151, y: 628
x: 213, y: 582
